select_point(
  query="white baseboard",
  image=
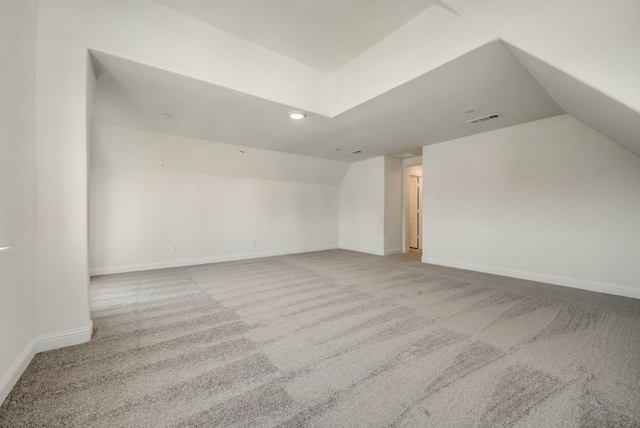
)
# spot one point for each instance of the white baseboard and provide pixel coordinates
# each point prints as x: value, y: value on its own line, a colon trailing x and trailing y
x: 599, y: 287
x: 371, y: 250
x: 202, y: 261
x: 362, y: 250
x: 393, y: 251
x: 47, y: 342
x: 9, y: 380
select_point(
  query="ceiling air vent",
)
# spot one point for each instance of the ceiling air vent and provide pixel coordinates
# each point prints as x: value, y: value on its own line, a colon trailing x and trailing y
x: 355, y: 152
x: 485, y: 118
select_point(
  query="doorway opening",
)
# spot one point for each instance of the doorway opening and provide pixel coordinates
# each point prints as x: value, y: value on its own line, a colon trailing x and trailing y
x: 413, y: 209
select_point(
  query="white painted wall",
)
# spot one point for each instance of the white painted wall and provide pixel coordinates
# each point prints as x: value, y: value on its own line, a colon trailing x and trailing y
x: 371, y: 206
x: 61, y: 267
x: 362, y: 207
x: 392, y: 205
x: 551, y: 200
x: 150, y: 191
x: 17, y: 117
x: 143, y: 31
x: 151, y: 34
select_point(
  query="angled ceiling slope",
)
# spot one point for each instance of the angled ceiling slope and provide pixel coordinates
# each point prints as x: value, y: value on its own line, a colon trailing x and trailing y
x: 324, y: 34
x: 606, y: 115
x: 430, y: 109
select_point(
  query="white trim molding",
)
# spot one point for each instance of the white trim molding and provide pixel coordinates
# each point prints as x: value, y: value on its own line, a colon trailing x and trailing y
x: 202, y: 261
x: 62, y: 339
x: 393, y: 251
x: 10, y: 379
x: 371, y: 250
x: 45, y: 342
x: 599, y: 287
x: 362, y: 250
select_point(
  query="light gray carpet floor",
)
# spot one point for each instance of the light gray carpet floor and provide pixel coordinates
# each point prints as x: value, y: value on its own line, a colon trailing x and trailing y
x: 338, y: 339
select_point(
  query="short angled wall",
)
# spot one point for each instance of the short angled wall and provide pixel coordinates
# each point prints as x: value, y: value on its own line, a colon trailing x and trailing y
x: 362, y: 207
x: 161, y: 201
x: 551, y: 201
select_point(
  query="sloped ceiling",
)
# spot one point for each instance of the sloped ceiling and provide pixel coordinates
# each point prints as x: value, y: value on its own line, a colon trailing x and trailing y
x: 429, y: 109
x: 604, y: 114
x: 432, y: 108
x: 323, y: 34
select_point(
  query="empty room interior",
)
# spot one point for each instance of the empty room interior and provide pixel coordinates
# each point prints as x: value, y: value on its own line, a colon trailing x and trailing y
x: 324, y: 213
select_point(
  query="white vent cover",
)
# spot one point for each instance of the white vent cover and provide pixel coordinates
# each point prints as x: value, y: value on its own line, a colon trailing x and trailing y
x: 485, y: 118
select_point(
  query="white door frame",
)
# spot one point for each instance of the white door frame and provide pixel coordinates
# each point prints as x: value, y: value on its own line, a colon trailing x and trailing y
x: 408, y: 163
x: 414, y: 193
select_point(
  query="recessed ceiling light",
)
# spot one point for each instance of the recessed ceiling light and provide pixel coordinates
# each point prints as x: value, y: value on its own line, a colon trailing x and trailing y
x: 297, y: 115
